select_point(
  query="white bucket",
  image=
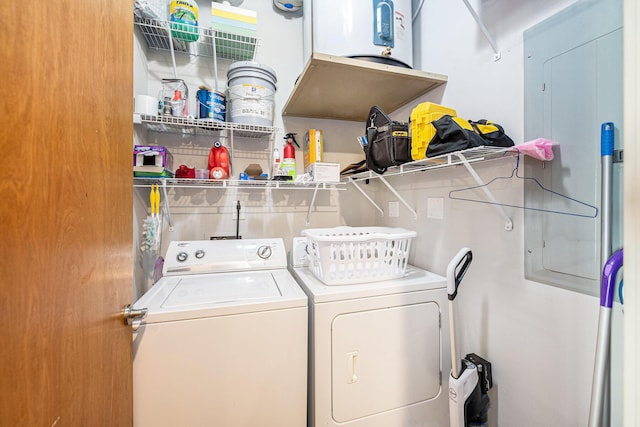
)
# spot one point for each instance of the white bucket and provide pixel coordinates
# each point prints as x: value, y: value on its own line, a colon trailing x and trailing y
x: 251, y: 93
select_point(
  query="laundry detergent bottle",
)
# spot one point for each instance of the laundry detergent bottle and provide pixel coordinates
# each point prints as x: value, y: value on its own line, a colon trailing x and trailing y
x: 183, y: 15
x: 219, y: 162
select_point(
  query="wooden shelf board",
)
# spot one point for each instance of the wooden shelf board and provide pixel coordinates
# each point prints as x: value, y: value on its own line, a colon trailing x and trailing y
x: 338, y: 88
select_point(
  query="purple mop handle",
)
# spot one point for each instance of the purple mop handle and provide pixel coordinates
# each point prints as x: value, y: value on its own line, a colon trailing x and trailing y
x: 609, y: 273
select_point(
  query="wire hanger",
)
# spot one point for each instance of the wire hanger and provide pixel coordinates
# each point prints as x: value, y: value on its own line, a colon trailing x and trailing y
x: 515, y: 173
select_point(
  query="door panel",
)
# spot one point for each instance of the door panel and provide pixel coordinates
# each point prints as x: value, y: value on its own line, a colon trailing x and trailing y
x: 384, y: 359
x: 66, y: 258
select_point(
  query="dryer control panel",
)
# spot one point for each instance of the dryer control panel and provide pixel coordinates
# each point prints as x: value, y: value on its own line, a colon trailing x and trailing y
x: 219, y: 256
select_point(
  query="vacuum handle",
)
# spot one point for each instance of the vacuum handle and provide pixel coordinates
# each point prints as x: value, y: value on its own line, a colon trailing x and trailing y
x: 455, y: 271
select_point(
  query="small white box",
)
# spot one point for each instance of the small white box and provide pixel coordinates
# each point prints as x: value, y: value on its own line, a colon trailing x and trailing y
x: 324, y: 172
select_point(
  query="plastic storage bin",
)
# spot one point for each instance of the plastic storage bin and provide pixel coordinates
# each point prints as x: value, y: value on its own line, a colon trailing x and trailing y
x: 422, y: 131
x: 351, y: 255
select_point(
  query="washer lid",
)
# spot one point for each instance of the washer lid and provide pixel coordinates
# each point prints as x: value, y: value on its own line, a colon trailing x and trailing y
x: 210, y: 295
x: 197, y: 290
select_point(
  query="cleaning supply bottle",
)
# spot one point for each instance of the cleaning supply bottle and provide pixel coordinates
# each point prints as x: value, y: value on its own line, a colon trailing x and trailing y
x: 183, y: 15
x: 179, y: 107
x: 276, y: 162
x: 289, y: 158
x: 219, y: 162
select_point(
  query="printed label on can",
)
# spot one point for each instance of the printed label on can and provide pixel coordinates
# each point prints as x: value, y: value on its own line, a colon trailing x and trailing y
x: 218, y: 106
x: 203, y: 96
x: 250, y: 101
x: 211, y: 105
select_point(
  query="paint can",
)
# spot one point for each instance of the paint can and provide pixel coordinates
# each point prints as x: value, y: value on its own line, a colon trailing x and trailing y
x: 203, y: 97
x: 218, y: 105
x: 211, y: 104
x: 252, y: 88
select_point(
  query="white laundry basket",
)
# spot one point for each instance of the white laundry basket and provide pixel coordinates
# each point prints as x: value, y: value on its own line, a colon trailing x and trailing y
x: 351, y: 255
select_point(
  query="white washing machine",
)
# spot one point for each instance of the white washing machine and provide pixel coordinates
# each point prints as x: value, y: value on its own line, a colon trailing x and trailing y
x: 378, y: 352
x: 224, y: 342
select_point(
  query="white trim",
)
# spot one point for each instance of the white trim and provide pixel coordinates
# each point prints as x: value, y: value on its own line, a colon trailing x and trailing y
x: 631, y: 416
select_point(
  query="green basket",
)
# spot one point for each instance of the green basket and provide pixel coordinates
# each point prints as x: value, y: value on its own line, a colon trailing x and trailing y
x: 186, y: 32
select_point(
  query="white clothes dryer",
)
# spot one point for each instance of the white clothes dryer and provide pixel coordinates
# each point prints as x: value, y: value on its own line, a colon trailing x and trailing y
x: 224, y: 342
x: 378, y: 352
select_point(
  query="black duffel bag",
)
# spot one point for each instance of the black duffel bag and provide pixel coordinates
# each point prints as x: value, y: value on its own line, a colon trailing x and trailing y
x: 388, y: 142
x: 456, y: 134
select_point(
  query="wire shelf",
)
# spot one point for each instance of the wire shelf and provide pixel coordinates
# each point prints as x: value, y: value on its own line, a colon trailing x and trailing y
x: 234, y: 183
x: 476, y: 154
x: 230, y: 46
x: 186, y: 125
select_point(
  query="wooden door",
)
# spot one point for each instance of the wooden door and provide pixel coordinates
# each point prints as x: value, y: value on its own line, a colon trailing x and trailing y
x: 65, y: 212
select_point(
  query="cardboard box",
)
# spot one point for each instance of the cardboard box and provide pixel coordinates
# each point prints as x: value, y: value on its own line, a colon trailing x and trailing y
x: 313, y: 147
x: 324, y: 172
x: 152, y: 159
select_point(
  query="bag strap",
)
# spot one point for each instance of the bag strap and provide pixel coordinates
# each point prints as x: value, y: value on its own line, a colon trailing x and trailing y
x: 475, y: 127
x: 484, y: 123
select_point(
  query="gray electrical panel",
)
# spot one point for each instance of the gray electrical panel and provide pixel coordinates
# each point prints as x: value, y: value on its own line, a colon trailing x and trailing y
x: 573, y: 84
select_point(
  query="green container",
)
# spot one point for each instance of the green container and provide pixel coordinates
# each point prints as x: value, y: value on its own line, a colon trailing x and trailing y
x: 183, y: 15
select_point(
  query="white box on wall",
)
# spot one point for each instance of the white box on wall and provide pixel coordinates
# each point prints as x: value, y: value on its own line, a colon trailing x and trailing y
x: 324, y: 172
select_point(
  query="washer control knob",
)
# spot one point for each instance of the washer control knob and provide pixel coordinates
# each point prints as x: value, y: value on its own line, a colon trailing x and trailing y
x: 265, y: 252
x: 182, y: 257
x: 199, y: 254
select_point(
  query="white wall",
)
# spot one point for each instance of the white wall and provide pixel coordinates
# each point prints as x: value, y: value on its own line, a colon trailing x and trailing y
x: 632, y: 215
x: 540, y: 339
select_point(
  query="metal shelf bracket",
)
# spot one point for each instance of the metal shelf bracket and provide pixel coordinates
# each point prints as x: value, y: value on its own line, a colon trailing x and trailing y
x: 395, y: 193
x: 393, y: 190
x: 485, y: 31
x: 465, y: 157
x: 508, y: 225
x: 364, y: 193
x: 165, y: 204
x: 313, y: 202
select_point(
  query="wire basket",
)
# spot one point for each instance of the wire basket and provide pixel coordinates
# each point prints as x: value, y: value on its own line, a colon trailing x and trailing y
x: 350, y: 255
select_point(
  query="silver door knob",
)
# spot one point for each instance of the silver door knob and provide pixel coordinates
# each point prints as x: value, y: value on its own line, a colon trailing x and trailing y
x: 133, y: 316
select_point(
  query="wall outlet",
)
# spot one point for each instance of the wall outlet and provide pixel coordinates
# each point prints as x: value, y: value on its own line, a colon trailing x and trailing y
x: 435, y: 207
x: 394, y: 209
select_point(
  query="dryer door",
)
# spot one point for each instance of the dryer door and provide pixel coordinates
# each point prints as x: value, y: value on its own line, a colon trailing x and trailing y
x: 385, y: 359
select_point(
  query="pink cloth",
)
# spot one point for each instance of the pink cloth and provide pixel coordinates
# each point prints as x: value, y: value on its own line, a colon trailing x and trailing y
x: 540, y: 148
